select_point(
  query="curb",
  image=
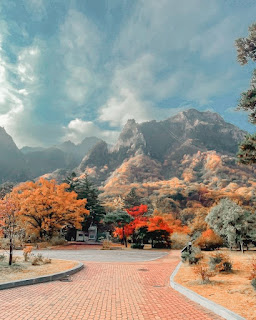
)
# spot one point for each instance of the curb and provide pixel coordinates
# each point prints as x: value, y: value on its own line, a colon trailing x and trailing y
x: 208, y: 304
x: 51, y: 277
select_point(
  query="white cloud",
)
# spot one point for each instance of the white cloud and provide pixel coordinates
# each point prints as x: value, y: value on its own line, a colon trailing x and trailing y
x: 79, y: 45
x: 78, y: 129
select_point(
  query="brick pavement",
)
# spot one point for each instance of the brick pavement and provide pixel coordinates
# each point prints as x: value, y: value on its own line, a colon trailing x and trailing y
x: 105, y: 291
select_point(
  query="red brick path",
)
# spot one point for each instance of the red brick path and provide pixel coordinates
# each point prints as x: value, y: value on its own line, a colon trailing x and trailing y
x: 105, y: 291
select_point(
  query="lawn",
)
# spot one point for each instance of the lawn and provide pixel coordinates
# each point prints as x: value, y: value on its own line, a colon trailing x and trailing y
x: 231, y: 290
x: 23, y: 270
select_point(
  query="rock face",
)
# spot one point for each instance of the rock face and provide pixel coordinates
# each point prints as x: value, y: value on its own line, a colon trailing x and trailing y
x: 165, y: 143
x: 149, y: 151
x: 13, y: 166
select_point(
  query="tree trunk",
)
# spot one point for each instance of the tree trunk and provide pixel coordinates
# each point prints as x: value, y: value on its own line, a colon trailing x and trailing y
x: 10, y: 255
x: 124, y: 238
x: 152, y: 243
x: 242, y: 246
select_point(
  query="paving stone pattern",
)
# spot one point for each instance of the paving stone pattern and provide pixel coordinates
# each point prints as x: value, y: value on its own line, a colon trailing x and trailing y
x: 105, y: 291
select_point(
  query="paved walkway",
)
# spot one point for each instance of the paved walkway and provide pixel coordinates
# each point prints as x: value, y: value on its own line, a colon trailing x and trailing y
x: 105, y: 291
x: 101, y: 255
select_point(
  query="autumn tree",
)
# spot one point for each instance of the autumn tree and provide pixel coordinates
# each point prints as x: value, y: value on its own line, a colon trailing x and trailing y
x: 46, y: 207
x: 246, y: 51
x: 158, y: 230
x: 9, y: 222
x: 121, y: 220
x: 209, y: 240
x: 233, y: 223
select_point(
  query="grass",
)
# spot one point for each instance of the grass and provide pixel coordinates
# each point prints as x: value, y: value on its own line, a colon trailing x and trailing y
x: 231, y: 290
x: 23, y: 270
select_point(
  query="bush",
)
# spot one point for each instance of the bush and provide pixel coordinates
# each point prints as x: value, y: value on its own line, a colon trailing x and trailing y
x: 194, y: 257
x: 2, y: 257
x: 137, y: 246
x: 204, y: 272
x: 253, y: 269
x: 106, y: 245
x: 37, y: 260
x: 26, y: 252
x: 220, y: 262
x: 179, y: 240
x: 161, y: 245
x: 57, y: 241
x: 253, y: 283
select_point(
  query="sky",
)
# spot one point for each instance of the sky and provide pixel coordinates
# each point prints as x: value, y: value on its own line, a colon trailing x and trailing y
x: 70, y: 69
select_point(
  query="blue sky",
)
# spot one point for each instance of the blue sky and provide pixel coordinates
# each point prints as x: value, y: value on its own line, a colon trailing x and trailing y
x: 71, y: 69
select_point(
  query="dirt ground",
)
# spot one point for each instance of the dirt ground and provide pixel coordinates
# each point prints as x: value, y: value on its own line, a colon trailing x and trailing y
x: 23, y: 270
x: 232, y: 291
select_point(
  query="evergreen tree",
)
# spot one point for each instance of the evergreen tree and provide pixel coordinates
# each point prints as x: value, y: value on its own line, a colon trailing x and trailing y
x: 132, y: 199
x: 246, y: 50
x: 120, y: 219
x: 85, y: 189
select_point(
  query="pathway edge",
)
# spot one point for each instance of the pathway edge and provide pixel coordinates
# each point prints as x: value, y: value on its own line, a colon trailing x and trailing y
x: 206, y: 303
x: 42, y: 279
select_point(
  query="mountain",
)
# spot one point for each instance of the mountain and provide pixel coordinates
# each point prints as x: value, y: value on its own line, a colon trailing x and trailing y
x: 27, y: 149
x: 154, y: 149
x: 31, y: 162
x: 13, y: 165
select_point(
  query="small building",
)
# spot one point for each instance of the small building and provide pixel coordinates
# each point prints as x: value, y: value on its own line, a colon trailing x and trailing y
x: 92, y: 233
x: 83, y: 236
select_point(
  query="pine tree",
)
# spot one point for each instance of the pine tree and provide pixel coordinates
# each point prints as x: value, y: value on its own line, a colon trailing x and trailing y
x: 85, y: 189
x: 132, y: 199
x: 246, y: 50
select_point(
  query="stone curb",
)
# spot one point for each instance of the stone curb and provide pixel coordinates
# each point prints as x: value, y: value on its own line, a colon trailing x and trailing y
x: 50, y: 277
x: 208, y: 304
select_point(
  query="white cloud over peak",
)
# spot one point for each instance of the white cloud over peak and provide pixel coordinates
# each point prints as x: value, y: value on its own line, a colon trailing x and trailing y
x: 78, y: 129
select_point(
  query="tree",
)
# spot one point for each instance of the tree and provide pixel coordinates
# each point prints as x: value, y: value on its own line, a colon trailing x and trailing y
x: 209, y: 240
x: 46, y: 207
x: 132, y: 199
x: 232, y: 223
x: 5, y: 189
x: 9, y: 222
x: 158, y: 229
x: 121, y: 220
x: 85, y: 189
x: 246, y: 50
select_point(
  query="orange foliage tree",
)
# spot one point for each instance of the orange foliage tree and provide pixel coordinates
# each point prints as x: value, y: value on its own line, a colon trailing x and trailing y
x: 9, y: 222
x: 209, y: 240
x: 46, y: 207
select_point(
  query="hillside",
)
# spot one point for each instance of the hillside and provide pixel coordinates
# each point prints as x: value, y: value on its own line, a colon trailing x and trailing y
x: 153, y: 151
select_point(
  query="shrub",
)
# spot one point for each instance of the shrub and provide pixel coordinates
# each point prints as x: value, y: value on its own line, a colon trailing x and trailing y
x: 220, y: 262
x: 194, y: 257
x: 179, y: 240
x: 106, y: 245
x: 161, y: 245
x: 253, y: 283
x: 209, y: 240
x: 37, y: 259
x: 26, y: 252
x: 47, y: 261
x: 57, y: 241
x: 253, y: 269
x: 204, y: 272
x: 137, y: 246
x: 2, y: 257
